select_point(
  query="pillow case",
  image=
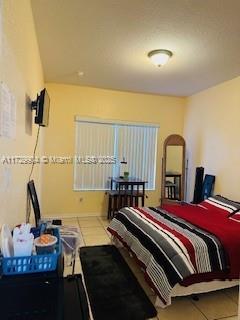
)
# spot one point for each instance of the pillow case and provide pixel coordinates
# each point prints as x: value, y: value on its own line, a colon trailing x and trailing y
x: 221, y: 204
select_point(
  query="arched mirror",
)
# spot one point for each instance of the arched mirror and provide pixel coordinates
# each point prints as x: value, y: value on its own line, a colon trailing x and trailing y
x: 173, y: 169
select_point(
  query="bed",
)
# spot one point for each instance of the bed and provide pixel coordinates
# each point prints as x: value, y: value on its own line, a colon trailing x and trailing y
x: 183, y: 249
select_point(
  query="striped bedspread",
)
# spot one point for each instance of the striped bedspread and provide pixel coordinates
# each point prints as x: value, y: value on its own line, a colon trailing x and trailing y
x: 169, y: 248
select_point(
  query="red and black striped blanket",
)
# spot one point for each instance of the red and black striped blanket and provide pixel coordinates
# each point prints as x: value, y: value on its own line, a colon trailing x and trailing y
x: 169, y: 247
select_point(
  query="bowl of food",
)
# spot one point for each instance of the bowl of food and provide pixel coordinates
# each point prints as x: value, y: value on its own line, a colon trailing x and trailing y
x: 45, y: 244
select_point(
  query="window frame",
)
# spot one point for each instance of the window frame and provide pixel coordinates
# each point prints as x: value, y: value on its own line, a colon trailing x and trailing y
x: 113, y: 123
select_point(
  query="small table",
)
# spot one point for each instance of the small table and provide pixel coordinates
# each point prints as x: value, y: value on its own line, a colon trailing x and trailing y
x: 125, y: 192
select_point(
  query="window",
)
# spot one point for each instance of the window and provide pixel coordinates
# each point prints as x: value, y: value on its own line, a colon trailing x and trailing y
x: 101, y: 146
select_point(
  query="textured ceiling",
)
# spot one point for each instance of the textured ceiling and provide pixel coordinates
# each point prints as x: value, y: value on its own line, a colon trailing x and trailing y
x: 109, y: 40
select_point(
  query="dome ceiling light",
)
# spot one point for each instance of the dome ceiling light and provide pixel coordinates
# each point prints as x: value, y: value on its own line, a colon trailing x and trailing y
x: 160, y: 57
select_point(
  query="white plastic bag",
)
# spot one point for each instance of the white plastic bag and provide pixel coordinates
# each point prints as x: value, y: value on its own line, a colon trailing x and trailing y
x: 22, y: 240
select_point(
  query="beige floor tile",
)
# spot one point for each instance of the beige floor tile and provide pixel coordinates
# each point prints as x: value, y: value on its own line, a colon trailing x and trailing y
x: 70, y: 222
x: 89, y: 231
x: 232, y: 293
x: 77, y: 257
x: 104, y: 221
x: 67, y: 271
x: 215, y: 305
x: 230, y: 318
x: 82, y: 242
x: 98, y: 242
x: 78, y: 267
x: 89, y: 222
x: 69, y: 219
x: 92, y: 240
x: 88, y: 219
x: 180, y: 309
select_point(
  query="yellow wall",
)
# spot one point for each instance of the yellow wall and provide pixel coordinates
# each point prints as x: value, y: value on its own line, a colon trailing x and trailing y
x: 212, y: 134
x: 211, y: 126
x: 58, y: 197
x: 21, y: 71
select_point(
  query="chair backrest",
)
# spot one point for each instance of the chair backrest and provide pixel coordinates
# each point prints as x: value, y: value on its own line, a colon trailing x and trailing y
x: 34, y: 199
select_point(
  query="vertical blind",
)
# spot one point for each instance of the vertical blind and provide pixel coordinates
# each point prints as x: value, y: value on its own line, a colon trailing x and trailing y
x: 98, y: 143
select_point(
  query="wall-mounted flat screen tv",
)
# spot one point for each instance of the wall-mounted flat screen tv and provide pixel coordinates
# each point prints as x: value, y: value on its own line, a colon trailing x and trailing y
x: 41, y: 105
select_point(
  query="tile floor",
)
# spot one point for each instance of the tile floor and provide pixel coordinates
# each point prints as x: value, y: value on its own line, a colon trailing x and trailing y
x: 216, y: 305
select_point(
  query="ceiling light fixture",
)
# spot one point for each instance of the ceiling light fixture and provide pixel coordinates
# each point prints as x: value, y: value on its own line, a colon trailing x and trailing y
x: 159, y: 57
x: 80, y: 73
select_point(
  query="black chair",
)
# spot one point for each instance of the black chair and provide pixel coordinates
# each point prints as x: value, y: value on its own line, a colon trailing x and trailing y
x: 126, y: 195
x: 72, y: 241
x: 171, y: 190
x: 34, y: 200
x: 35, y: 204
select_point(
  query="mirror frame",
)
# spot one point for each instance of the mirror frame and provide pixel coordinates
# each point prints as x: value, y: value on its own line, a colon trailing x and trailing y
x: 172, y: 140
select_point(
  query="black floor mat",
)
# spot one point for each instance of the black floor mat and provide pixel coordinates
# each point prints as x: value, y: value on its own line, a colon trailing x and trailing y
x: 113, y: 290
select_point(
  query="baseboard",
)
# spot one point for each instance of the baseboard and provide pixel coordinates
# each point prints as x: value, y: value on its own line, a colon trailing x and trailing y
x: 75, y: 215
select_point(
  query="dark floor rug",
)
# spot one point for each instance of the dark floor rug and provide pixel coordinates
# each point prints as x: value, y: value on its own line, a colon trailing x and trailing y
x: 113, y: 290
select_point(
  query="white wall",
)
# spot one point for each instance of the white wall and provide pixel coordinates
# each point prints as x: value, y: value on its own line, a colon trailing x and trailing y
x: 212, y: 133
